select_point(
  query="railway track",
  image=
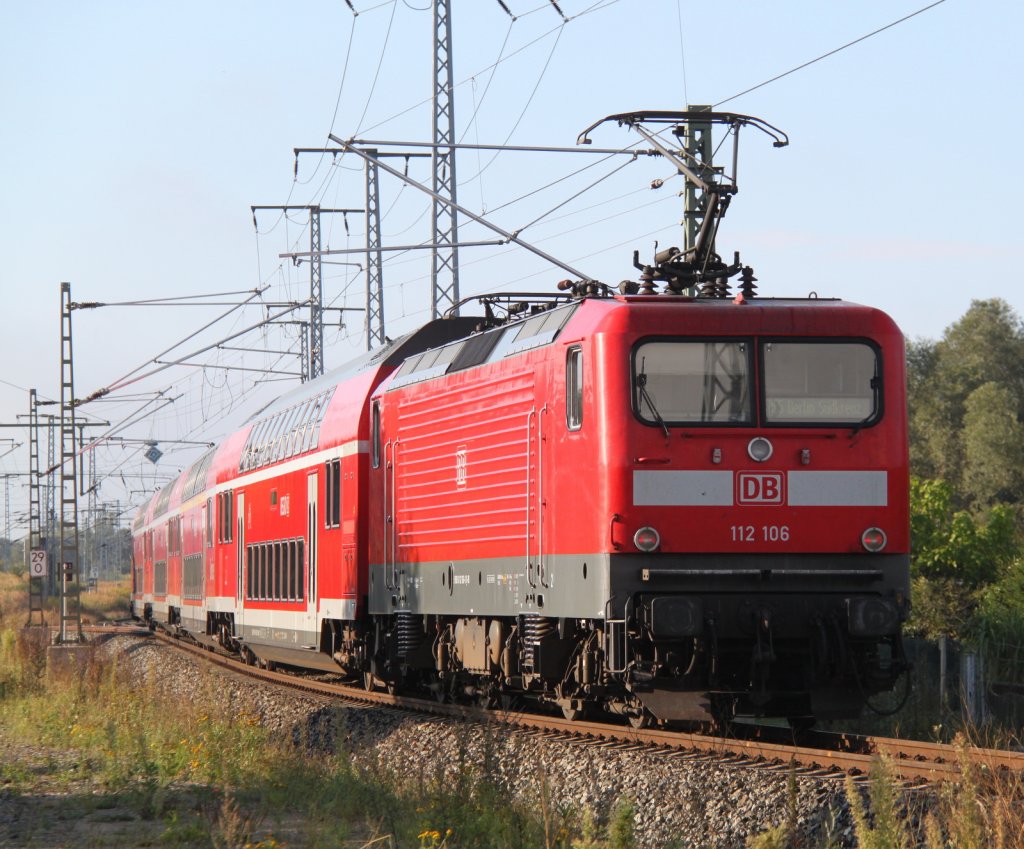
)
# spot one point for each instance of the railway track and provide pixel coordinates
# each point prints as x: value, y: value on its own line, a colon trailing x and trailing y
x: 819, y: 754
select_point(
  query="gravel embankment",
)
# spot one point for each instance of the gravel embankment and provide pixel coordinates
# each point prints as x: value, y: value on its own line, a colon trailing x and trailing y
x: 679, y: 802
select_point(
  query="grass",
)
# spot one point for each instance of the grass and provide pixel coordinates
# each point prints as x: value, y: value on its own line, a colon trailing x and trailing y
x: 980, y: 808
x: 131, y: 767
x: 109, y: 601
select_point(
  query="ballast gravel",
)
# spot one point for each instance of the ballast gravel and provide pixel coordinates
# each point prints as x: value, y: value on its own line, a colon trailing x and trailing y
x: 679, y: 801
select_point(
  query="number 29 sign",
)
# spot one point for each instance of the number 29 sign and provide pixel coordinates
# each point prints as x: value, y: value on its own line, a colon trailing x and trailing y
x: 37, y: 563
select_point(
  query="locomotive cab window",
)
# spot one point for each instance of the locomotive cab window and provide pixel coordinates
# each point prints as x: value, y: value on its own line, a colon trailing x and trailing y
x: 821, y: 383
x: 574, y: 388
x: 692, y: 382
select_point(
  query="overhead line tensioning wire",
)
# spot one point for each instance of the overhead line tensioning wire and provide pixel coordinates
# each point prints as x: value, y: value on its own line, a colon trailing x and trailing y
x: 124, y: 380
x: 380, y: 62
x: 585, y: 189
x: 682, y: 48
x: 497, y: 255
x: 526, y: 107
x: 561, y: 179
x: 394, y: 260
x: 490, y: 79
x: 337, y: 102
x: 832, y: 52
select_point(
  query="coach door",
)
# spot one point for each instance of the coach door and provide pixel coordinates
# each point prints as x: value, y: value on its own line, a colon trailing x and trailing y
x: 240, y: 562
x: 312, y: 551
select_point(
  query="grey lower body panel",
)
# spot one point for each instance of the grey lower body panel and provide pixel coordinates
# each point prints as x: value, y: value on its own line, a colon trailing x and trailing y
x: 565, y: 586
x: 596, y: 586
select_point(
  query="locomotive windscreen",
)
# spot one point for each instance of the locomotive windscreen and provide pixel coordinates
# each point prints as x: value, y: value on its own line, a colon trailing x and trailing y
x: 693, y: 382
x: 820, y: 382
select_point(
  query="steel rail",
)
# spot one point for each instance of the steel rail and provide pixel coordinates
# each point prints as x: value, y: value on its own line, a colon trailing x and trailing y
x: 831, y: 756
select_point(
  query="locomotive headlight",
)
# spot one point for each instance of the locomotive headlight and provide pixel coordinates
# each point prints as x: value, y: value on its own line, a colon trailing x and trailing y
x: 647, y: 539
x: 759, y: 449
x: 873, y: 539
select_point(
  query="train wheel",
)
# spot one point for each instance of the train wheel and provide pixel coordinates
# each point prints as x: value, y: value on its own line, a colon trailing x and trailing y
x: 572, y: 713
x: 440, y: 690
x: 800, y: 723
x: 369, y: 681
x: 639, y: 720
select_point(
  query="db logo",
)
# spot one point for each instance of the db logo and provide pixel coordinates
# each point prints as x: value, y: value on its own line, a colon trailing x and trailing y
x: 760, y: 488
x: 460, y: 468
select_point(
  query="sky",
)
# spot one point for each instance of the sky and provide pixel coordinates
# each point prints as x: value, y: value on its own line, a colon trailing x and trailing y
x: 136, y: 135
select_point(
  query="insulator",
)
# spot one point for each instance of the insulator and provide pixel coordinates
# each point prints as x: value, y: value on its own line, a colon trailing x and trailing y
x: 536, y: 628
x: 667, y: 255
x: 408, y: 633
x: 747, y: 279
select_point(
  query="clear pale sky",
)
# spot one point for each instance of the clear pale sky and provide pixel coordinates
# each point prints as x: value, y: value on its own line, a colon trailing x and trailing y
x: 135, y: 135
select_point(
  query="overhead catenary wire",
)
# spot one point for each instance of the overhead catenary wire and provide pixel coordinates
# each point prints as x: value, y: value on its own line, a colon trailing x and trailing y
x: 478, y: 72
x: 526, y: 106
x: 682, y: 48
x: 380, y: 62
x: 573, y: 197
x: 324, y: 186
x: 831, y: 52
x: 126, y: 379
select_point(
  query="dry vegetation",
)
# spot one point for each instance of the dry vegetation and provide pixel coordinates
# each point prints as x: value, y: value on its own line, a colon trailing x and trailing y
x: 95, y: 760
x: 108, y: 601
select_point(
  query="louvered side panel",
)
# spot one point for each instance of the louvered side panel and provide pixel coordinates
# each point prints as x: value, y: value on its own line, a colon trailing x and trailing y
x: 462, y: 474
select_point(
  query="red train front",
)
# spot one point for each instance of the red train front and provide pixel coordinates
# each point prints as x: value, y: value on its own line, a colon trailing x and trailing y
x: 670, y: 506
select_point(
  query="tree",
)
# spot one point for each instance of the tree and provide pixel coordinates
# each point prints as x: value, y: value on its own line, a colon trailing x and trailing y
x: 984, y: 347
x: 993, y: 441
x: 955, y: 556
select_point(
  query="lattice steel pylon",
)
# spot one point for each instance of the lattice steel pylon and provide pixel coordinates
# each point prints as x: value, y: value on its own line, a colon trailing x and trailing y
x: 36, y: 583
x: 304, y: 334
x: 70, y: 591
x: 444, y: 275
x: 374, y: 263
x: 316, y: 295
x: 49, y: 502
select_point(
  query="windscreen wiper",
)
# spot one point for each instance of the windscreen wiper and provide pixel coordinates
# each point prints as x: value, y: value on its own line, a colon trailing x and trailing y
x: 641, y: 385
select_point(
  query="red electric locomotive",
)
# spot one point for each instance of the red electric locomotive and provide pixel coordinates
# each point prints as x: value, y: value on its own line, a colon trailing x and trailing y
x: 680, y: 506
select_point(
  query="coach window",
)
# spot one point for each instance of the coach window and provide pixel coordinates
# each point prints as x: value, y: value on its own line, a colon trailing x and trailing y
x: 307, y: 433
x: 248, y: 571
x: 209, y: 522
x: 261, y: 583
x: 375, y: 433
x: 275, y: 582
x: 574, y: 388
x: 225, y: 515
x: 821, y: 383
x: 332, y: 515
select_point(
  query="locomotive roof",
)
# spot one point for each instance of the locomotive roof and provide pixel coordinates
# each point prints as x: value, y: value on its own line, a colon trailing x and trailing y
x: 393, y: 351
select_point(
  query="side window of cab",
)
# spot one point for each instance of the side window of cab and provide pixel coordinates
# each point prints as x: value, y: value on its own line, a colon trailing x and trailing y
x: 574, y: 388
